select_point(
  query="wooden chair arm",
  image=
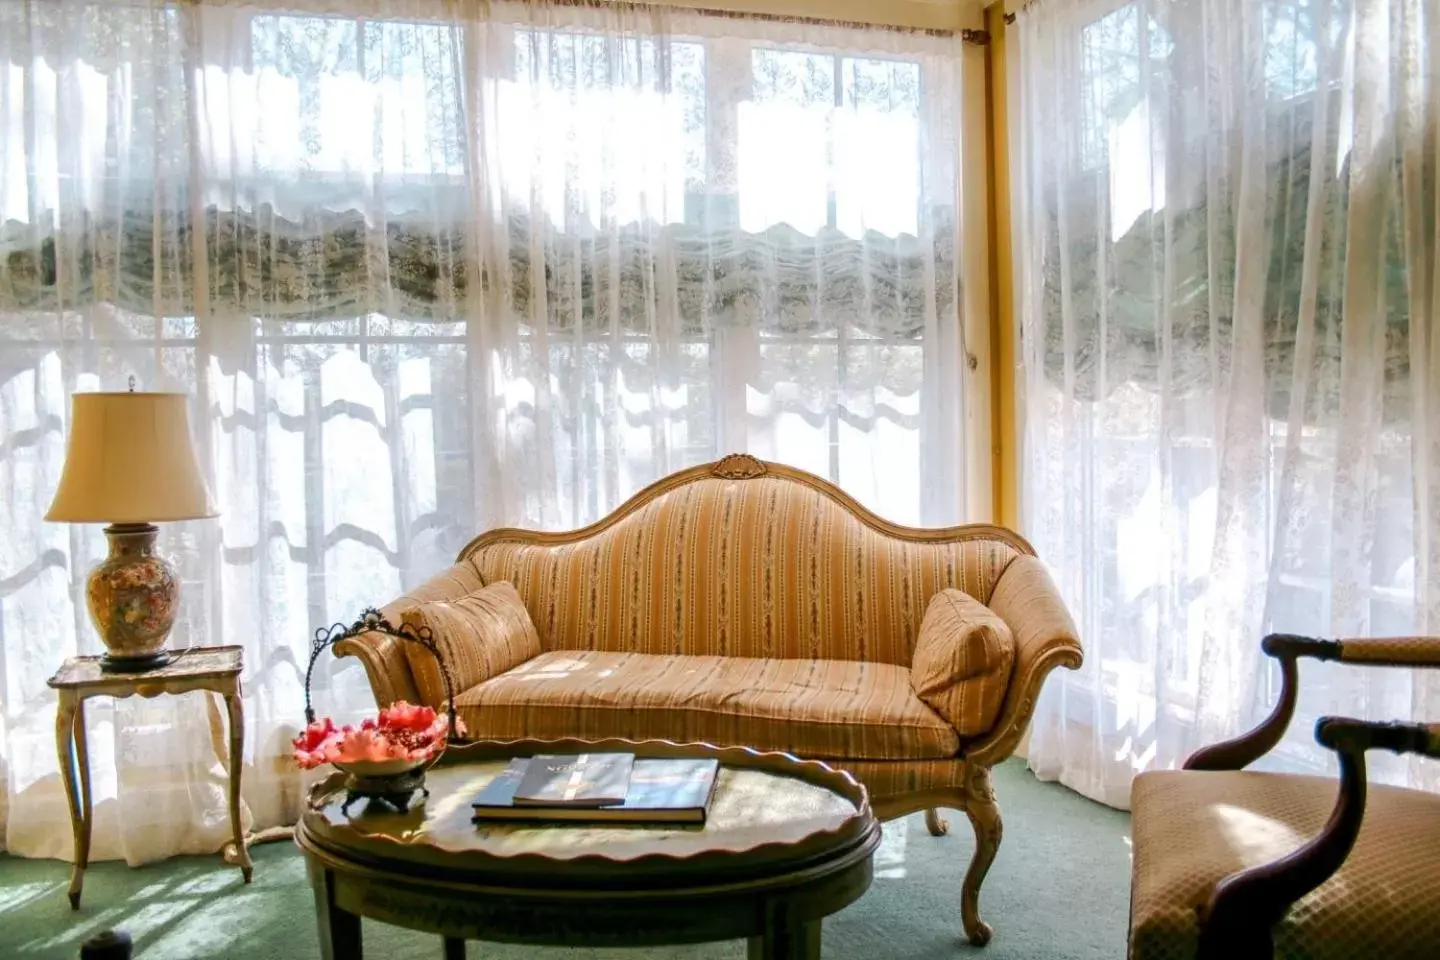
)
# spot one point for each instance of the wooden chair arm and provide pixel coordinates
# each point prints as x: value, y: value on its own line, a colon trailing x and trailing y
x: 1288, y: 648
x: 1341, y: 734
x: 1245, y: 905
x: 1392, y: 651
x: 1245, y: 749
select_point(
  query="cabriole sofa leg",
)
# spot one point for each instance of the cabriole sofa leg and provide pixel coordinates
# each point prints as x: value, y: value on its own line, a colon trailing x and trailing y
x: 936, y: 824
x: 984, y: 816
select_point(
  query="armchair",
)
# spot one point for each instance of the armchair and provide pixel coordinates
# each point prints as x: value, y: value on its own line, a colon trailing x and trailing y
x: 1249, y: 865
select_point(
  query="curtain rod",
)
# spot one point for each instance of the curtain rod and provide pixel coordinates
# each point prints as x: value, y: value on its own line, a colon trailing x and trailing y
x: 694, y: 7
x: 975, y: 37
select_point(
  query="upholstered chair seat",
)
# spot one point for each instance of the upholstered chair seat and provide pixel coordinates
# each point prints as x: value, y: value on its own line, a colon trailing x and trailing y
x: 1193, y: 828
x: 1233, y: 864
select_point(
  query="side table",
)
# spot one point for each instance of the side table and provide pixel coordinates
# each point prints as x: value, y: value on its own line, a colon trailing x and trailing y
x: 80, y: 678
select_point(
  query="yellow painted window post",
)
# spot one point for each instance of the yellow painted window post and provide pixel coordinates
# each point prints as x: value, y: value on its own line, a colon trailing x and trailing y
x: 1004, y: 331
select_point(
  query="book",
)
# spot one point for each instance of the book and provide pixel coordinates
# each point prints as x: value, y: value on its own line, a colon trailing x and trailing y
x: 661, y: 791
x: 500, y: 792
x: 577, y: 780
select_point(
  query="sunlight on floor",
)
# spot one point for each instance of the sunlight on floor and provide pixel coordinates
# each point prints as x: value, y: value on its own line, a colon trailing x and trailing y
x: 205, y: 883
x: 890, y: 857
x: 12, y: 898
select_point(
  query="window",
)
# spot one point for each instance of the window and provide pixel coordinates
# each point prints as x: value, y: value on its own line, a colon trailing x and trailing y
x: 433, y: 274
x: 463, y: 251
x: 1221, y: 430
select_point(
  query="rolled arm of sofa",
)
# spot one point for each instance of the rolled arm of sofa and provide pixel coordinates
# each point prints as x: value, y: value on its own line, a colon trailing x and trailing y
x: 1027, y: 599
x: 384, y: 660
x: 383, y: 656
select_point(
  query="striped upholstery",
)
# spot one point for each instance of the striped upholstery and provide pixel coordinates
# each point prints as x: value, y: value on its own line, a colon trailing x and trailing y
x: 762, y: 567
x: 897, y: 779
x: 963, y: 661
x: 1027, y: 600
x: 815, y: 708
x: 479, y: 635
x: 384, y: 656
x: 1191, y: 828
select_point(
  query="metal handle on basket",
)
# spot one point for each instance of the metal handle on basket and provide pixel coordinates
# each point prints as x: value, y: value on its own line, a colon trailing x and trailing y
x: 369, y: 621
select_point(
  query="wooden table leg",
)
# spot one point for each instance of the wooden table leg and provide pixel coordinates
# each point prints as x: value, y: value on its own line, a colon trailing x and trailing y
x: 339, y: 930
x: 82, y: 761
x: 786, y: 938
x: 70, y: 726
x: 236, y: 709
x: 454, y: 949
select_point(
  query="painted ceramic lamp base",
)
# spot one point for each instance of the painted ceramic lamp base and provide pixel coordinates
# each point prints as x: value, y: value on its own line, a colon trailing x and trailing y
x: 132, y: 596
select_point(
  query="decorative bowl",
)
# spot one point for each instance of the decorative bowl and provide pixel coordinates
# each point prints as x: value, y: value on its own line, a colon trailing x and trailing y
x: 385, y: 758
x: 392, y: 781
x: 371, y: 769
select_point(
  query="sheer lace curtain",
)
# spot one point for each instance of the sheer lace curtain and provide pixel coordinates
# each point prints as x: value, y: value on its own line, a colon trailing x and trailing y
x: 1228, y: 274
x: 427, y: 268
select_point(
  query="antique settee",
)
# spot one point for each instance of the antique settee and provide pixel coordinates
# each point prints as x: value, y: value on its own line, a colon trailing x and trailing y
x: 747, y: 602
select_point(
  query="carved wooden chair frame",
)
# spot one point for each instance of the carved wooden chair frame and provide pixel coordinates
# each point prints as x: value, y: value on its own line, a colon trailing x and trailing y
x: 1239, y: 919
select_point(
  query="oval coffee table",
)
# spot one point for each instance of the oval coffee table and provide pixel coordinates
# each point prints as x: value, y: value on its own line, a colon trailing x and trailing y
x: 787, y: 842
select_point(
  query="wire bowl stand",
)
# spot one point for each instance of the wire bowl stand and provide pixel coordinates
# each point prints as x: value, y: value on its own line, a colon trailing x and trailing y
x: 394, y: 788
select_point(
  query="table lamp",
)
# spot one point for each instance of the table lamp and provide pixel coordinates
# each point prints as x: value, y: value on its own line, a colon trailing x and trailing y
x: 129, y: 463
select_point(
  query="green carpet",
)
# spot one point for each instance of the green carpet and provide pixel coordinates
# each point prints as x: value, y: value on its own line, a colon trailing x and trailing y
x: 1059, y: 889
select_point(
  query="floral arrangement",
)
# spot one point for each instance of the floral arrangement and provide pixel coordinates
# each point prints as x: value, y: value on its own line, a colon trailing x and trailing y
x: 402, y: 731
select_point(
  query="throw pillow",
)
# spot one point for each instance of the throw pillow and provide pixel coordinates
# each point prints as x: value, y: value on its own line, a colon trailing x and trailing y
x: 480, y: 635
x: 962, y: 662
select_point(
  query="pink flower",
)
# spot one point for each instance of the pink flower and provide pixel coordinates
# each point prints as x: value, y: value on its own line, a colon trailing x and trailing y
x: 316, y: 742
x: 403, y: 731
x: 315, y: 734
x: 406, y: 716
x: 362, y: 745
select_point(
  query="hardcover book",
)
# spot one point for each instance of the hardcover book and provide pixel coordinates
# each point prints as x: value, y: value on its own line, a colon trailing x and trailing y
x: 579, y: 780
x: 661, y: 791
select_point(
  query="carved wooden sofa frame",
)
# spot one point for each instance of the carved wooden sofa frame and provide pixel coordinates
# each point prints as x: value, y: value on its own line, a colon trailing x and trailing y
x: 1045, y: 639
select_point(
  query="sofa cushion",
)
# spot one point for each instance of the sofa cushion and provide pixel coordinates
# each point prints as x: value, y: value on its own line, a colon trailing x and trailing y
x: 963, y: 660
x: 819, y: 709
x: 480, y: 635
x: 1190, y: 828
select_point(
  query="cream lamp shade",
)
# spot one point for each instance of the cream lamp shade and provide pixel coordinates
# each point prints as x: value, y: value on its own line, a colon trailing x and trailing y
x: 130, y: 460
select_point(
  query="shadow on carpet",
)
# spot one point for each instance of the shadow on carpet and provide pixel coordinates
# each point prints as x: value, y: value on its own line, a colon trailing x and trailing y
x: 1059, y: 889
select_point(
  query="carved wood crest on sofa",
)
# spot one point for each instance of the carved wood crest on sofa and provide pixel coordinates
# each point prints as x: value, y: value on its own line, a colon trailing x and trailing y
x: 744, y: 602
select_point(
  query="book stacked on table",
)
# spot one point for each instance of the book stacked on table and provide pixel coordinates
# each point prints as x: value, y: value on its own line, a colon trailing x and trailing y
x: 600, y: 787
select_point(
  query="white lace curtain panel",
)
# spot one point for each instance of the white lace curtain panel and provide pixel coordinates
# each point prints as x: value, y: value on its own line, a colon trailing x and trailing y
x: 429, y: 268
x: 1228, y: 262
